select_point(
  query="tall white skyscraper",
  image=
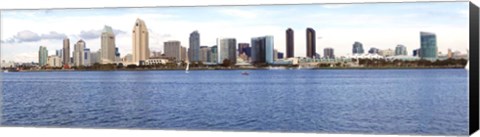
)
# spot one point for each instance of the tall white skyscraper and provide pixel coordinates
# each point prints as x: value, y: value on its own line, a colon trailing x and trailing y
x: 140, y: 50
x: 107, y: 46
x: 79, y: 53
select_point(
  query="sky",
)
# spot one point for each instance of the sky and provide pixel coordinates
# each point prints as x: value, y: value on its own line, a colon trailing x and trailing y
x: 380, y: 25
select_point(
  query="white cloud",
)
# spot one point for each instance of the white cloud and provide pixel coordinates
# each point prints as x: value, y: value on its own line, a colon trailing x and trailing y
x: 53, y: 35
x: 26, y: 36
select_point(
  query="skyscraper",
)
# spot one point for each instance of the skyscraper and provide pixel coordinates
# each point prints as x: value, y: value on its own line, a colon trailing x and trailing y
x: 262, y: 50
x: 59, y: 53
x: 290, y: 43
x: 400, y: 50
x: 42, y: 56
x: 373, y: 50
x: 280, y: 55
x: 242, y: 48
x: 173, y: 49
x: 86, y: 57
x: 79, y: 53
x: 107, y: 45
x: 357, y: 48
x: 183, y: 53
x: 140, y: 49
x: 66, y: 52
x: 275, y: 54
x: 428, y: 48
x: 416, y: 53
x: 311, y: 51
x: 95, y: 57
x: 328, y: 53
x: 214, y: 54
x: 204, y: 54
x: 117, y: 55
x: 227, y: 50
x: 194, y: 48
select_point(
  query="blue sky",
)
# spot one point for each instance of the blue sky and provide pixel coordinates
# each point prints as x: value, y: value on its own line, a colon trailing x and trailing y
x: 381, y: 25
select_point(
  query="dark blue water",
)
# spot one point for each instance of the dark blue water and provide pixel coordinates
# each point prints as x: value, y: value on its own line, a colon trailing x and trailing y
x: 325, y: 101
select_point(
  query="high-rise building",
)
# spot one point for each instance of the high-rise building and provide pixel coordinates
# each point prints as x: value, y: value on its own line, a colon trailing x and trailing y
x: 59, y: 53
x: 400, y: 50
x: 428, y: 48
x: 194, y: 48
x: 416, y: 52
x: 280, y: 55
x: 107, y: 45
x: 227, y: 50
x: 205, y: 54
x: 262, y: 50
x: 140, y: 49
x: 79, y: 53
x: 183, y: 53
x: 328, y: 53
x: 290, y: 43
x: 373, y: 50
x: 87, y: 57
x: 117, y: 55
x: 95, y: 57
x: 311, y: 45
x: 357, y: 48
x: 66, y: 52
x: 42, y: 56
x: 214, y: 54
x: 242, y: 47
x: 173, y: 49
x: 54, y: 61
x: 386, y: 52
x: 275, y: 54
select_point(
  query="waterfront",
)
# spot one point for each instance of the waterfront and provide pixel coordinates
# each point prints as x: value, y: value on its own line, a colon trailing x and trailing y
x: 406, y: 101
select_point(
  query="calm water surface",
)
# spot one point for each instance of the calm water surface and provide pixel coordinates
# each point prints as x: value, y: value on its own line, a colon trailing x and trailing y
x: 325, y: 101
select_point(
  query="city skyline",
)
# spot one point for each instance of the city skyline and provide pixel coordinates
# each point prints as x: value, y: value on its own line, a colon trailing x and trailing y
x: 233, y: 22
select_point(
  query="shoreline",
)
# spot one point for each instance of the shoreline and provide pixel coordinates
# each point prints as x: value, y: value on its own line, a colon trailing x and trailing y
x: 263, y: 68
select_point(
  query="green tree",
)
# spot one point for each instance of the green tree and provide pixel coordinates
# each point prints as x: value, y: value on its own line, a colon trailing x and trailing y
x: 226, y: 63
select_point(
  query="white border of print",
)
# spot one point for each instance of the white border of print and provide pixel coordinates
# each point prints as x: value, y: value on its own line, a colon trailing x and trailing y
x: 76, y: 132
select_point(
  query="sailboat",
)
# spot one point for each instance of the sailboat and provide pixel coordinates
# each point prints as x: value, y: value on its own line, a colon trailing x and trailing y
x: 188, y: 66
x: 467, y: 66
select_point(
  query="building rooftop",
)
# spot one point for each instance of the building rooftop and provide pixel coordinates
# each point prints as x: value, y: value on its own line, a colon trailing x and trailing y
x: 107, y: 29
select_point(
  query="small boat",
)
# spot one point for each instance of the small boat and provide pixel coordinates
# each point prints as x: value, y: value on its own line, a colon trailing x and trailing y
x: 5, y: 71
x: 466, y: 66
x: 245, y: 73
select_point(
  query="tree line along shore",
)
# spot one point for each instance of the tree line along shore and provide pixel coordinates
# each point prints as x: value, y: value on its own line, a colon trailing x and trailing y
x: 226, y: 65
